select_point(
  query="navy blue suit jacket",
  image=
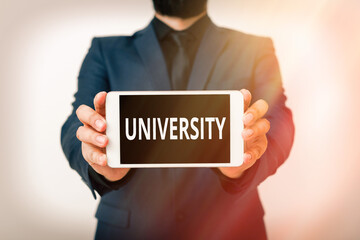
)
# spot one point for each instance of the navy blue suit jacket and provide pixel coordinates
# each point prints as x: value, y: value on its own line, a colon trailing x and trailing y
x: 197, y: 203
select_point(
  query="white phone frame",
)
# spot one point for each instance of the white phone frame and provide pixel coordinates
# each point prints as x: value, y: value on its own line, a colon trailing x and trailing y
x: 113, y: 129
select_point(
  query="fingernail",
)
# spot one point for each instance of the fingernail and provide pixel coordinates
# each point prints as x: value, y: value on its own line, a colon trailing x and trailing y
x: 247, y: 157
x: 100, y: 139
x: 99, y: 123
x: 248, y: 117
x: 248, y: 132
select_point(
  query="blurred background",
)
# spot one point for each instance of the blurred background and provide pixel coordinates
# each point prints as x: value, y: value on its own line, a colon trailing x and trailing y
x: 314, y: 195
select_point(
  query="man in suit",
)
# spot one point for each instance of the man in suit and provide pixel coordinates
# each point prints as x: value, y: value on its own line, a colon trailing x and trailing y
x: 181, y: 49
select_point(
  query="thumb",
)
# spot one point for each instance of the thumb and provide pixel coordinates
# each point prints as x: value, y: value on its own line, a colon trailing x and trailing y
x: 99, y: 103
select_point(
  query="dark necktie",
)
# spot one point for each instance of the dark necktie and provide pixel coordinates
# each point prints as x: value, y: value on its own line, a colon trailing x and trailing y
x: 180, y: 67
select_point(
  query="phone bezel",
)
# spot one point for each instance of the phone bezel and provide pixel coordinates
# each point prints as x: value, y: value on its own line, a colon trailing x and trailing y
x: 113, y: 133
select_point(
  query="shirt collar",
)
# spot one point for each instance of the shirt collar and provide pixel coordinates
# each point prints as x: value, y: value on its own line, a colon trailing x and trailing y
x: 197, y: 30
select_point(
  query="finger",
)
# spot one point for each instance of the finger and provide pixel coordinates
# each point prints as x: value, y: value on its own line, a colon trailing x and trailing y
x: 88, y: 135
x: 255, y: 112
x: 99, y: 103
x: 252, y: 154
x: 247, y: 98
x: 88, y: 116
x: 256, y: 150
x: 248, y: 160
x: 93, y: 155
x: 260, y: 127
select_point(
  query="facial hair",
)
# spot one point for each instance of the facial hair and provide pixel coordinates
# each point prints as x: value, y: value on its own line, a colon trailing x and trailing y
x: 180, y: 8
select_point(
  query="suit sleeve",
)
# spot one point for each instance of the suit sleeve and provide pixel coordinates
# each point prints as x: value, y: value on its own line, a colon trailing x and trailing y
x: 267, y: 85
x: 91, y: 80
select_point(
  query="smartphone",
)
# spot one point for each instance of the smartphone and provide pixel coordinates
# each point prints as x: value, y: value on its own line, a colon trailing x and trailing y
x: 154, y: 129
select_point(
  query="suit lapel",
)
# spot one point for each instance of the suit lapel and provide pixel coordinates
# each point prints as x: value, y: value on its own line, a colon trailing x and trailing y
x: 213, y: 42
x: 151, y: 55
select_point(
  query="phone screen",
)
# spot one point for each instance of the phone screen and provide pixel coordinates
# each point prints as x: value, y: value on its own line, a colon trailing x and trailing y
x: 157, y: 129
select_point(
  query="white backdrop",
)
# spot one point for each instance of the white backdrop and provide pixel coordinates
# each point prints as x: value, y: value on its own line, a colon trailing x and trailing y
x: 315, y: 195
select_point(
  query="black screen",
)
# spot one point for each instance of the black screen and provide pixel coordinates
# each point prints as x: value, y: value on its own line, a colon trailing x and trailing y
x: 174, y: 129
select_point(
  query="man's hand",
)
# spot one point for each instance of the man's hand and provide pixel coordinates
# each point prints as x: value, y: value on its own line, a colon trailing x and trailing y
x: 254, y: 135
x: 93, y: 140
